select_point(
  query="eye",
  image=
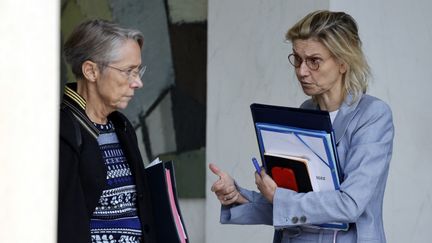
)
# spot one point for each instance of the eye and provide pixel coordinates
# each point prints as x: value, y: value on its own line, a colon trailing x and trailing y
x: 129, y: 71
x: 297, y: 59
x: 314, y: 60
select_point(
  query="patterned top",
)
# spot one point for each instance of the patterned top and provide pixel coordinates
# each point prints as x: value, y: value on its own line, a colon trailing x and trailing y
x: 115, y: 219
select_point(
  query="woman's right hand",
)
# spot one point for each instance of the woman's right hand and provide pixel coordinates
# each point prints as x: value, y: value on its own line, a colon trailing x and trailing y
x: 225, y: 189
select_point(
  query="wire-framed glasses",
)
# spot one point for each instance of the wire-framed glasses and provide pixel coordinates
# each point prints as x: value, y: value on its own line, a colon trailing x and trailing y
x: 132, y: 73
x: 313, y: 63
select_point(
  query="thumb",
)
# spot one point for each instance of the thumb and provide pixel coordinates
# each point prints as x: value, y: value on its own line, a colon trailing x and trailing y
x: 215, y: 170
x: 263, y: 173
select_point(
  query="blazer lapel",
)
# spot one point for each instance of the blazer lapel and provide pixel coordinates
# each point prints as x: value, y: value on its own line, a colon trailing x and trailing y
x: 344, y: 117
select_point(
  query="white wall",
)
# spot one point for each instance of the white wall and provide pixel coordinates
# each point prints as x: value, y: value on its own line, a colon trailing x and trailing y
x: 247, y: 63
x: 29, y: 84
x: 397, y: 37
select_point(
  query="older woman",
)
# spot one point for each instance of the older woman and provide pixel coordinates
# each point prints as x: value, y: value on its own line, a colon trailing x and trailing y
x: 331, y: 68
x: 103, y: 193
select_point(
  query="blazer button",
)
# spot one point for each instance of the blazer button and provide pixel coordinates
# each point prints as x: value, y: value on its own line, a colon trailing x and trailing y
x: 303, y: 219
x: 140, y: 196
x: 294, y: 220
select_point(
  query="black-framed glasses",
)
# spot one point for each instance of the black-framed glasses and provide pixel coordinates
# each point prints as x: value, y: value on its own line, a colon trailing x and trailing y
x: 132, y: 73
x: 313, y: 63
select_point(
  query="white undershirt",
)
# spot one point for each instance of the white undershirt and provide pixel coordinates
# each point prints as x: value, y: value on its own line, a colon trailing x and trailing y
x: 333, y: 115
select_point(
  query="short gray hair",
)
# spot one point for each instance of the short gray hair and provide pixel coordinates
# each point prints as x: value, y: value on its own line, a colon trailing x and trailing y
x: 98, y: 41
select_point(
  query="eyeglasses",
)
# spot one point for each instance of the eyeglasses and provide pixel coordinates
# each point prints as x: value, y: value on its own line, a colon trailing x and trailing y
x: 132, y: 73
x: 313, y: 63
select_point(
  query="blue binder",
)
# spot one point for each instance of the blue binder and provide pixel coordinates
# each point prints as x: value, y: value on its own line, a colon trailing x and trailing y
x: 285, y: 131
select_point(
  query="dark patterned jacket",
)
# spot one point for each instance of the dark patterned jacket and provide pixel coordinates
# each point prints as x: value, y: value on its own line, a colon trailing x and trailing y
x: 82, y: 172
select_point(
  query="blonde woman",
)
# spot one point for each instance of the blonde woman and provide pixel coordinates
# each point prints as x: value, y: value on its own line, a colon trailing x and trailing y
x: 332, y: 70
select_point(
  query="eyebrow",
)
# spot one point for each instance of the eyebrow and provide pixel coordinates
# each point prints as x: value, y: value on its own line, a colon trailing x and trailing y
x: 311, y: 55
x: 134, y: 66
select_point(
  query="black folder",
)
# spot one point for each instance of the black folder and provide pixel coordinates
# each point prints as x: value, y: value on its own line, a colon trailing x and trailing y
x: 298, y: 180
x: 293, y: 117
x: 165, y: 218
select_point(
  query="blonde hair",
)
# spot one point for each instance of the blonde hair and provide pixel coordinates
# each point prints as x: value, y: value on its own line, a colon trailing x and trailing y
x: 338, y: 32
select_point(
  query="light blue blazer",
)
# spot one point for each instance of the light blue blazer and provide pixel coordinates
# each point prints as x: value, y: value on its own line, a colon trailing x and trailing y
x: 364, y: 136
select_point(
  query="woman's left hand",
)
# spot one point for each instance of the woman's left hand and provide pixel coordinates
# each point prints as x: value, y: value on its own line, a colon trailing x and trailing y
x: 266, y: 185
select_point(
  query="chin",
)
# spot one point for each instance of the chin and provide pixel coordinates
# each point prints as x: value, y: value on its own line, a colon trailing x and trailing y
x: 121, y: 106
x: 309, y: 92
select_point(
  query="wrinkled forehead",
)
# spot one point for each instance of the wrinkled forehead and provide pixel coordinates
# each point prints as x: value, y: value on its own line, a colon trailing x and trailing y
x: 310, y: 47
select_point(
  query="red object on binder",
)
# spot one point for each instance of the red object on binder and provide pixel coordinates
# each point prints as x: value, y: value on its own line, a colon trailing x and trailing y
x: 284, y: 177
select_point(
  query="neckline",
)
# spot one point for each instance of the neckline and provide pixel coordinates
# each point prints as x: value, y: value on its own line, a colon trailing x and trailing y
x: 104, y: 127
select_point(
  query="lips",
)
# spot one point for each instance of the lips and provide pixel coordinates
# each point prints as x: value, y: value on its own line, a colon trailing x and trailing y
x: 306, y: 84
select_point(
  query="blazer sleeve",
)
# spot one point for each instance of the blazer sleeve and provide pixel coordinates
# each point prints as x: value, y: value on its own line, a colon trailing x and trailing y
x: 257, y: 211
x: 369, y: 149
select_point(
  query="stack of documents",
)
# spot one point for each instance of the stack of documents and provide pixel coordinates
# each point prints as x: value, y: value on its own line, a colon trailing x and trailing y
x: 298, y: 149
x: 313, y: 146
x: 166, y: 211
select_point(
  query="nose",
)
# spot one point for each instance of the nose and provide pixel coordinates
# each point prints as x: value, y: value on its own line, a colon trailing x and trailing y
x: 303, y: 70
x: 136, y: 83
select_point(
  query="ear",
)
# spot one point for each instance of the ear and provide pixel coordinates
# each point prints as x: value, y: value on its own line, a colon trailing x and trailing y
x: 90, y: 71
x: 343, y: 67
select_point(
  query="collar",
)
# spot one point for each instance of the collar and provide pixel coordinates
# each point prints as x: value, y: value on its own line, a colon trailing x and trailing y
x: 346, y: 113
x: 76, y: 104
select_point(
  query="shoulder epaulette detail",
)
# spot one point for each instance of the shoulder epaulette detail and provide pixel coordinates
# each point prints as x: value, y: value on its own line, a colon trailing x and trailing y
x: 75, y: 97
x: 77, y: 104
